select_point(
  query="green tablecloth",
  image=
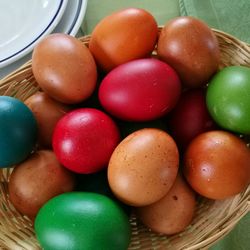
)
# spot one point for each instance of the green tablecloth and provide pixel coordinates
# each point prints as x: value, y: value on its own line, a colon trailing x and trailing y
x: 230, y: 16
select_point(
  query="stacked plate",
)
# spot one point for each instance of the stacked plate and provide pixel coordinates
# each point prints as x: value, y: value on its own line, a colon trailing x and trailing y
x: 26, y: 22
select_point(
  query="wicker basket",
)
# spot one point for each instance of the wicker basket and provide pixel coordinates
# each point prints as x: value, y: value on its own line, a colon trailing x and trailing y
x: 213, y: 219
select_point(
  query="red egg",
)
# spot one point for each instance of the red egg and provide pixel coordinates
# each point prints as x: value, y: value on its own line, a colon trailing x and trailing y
x: 84, y: 140
x: 190, y: 117
x: 140, y: 90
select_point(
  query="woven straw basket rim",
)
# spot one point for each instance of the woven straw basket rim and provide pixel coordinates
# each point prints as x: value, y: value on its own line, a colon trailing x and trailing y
x: 212, y: 221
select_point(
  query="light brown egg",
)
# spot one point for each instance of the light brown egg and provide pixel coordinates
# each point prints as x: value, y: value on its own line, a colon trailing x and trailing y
x: 64, y: 68
x: 143, y: 167
x: 47, y: 112
x: 36, y: 180
x: 173, y: 213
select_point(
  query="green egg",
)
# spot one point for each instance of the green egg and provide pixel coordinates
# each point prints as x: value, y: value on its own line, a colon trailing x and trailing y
x: 82, y: 221
x: 18, y: 131
x: 228, y: 99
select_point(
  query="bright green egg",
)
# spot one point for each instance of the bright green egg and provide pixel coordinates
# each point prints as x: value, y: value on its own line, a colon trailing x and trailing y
x: 228, y: 98
x: 82, y: 221
x: 18, y: 131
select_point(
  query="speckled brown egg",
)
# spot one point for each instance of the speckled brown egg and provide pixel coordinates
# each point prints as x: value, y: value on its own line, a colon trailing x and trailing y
x: 143, y: 167
x: 173, y: 213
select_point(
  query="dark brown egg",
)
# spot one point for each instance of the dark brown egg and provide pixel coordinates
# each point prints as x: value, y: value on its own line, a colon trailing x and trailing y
x: 190, y: 47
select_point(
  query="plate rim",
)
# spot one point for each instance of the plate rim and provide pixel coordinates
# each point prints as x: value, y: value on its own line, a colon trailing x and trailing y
x: 28, y: 47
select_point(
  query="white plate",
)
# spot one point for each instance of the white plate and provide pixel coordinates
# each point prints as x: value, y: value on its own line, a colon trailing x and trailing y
x: 70, y: 23
x: 72, y: 17
x: 24, y: 23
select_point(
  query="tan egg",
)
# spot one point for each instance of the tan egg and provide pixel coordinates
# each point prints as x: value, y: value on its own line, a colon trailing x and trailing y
x: 36, y: 180
x: 143, y: 167
x: 47, y: 112
x: 173, y: 213
x: 64, y: 68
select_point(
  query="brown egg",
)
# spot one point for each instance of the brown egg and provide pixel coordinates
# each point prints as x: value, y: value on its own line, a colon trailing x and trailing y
x: 190, y: 47
x: 47, y: 112
x: 143, y: 167
x: 217, y: 164
x: 64, y: 68
x: 173, y: 213
x: 123, y: 36
x: 38, y: 179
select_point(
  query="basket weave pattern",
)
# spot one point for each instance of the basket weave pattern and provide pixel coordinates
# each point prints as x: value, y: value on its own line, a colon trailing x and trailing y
x: 212, y: 221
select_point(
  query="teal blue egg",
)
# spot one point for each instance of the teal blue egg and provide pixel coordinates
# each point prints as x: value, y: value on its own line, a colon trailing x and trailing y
x: 18, y: 131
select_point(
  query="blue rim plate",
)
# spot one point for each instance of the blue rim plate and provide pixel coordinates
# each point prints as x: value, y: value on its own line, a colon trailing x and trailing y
x: 70, y: 23
x: 26, y: 22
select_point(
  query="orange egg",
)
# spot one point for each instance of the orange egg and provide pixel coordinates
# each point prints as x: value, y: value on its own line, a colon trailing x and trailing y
x: 64, y: 68
x: 143, y: 167
x: 123, y: 36
x: 47, y: 112
x: 173, y: 213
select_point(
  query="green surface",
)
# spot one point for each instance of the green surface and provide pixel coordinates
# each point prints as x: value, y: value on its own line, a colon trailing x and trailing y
x: 230, y: 16
x: 162, y: 10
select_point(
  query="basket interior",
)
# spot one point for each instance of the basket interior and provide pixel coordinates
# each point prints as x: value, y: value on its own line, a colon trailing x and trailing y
x: 213, y: 219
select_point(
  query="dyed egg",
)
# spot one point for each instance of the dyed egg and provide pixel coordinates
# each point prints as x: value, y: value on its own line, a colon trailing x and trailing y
x: 228, y: 98
x: 173, y: 213
x: 190, y: 47
x: 190, y: 117
x: 143, y: 167
x: 64, y: 68
x: 140, y: 90
x: 123, y: 36
x: 81, y: 220
x: 47, y: 112
x: 36, y: 180
x: 84, y: 140
x: 18, y: 131
x: 217, y: 164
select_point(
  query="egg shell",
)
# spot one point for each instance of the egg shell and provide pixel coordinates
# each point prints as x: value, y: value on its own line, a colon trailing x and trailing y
x: 47, y: 112
x: 18, y: 131
x: 64, y: 68
x: 123, y: 36
x: 143, y: 167
x: 190, y: 117
x: 140, y: 90
x: 38, y: 179
x: 79, y: 220
x: 190, y: 47
x: 173, y: 213
x: 84, y: 139
x: 217, y: 164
